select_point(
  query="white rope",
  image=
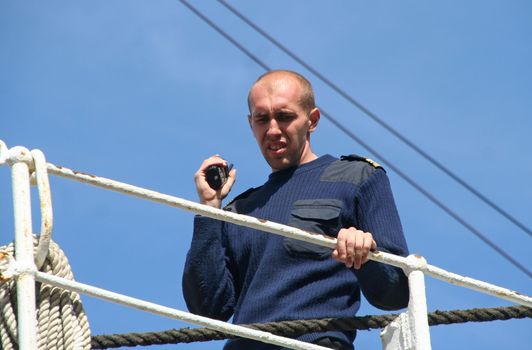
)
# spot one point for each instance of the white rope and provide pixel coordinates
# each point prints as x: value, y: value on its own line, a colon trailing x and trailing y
x: 61, y: 320
x: 45, y: 198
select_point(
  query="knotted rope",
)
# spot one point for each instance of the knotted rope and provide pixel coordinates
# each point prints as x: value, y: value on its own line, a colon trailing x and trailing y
x: 300, y: 327
x: 61, y: 321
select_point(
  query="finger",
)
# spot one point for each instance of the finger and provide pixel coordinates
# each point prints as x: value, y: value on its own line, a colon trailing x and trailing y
x: 212, y: 160
x: 232, y: 176
x: 229, y: 183
x: 358, y: 250
x: 341, y: 245
x: 350, y: 248
x: 372, y: 247
x: 368, y: 242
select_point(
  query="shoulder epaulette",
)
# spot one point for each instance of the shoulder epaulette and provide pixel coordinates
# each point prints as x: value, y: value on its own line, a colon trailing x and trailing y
x: 245, y: 194
x: 354, y: 157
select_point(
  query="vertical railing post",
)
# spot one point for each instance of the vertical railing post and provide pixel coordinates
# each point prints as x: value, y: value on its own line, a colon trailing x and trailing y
x: 410, y: 330
x: 20, y: 159
x: 417, y: 306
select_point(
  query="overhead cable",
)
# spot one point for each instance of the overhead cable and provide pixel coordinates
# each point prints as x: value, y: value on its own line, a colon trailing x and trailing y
x: 379, y: 120
x: 370, y: 149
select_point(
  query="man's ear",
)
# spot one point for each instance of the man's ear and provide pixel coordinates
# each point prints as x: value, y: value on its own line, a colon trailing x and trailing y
x: 249, y: 120
x: 314, y: 118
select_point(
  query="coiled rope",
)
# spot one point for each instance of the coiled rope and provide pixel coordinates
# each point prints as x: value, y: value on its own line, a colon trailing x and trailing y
x: 296, y: 328
x: 61, y: 321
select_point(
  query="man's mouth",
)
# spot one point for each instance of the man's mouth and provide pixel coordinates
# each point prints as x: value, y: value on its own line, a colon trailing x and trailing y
x: 277, y: 148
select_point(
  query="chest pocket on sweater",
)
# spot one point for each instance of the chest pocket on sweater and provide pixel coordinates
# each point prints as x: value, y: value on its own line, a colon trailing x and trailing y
x: 316, y: 216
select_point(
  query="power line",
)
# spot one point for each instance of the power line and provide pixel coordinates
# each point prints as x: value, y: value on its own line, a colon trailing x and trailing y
x: 370, y: 149
x: 429, y: 195
x: 379, y: 121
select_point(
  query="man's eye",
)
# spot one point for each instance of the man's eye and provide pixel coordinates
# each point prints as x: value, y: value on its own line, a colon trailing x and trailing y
x: 261, y: 120
x: 284, y: 117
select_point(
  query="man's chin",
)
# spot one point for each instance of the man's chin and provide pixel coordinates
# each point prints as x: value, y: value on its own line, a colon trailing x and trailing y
x: 280, y: 164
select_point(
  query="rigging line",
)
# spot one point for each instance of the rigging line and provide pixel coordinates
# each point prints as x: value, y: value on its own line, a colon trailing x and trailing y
x: 372, y: 150
x: 379, y: 121
x: 225, y: 35
x: 429, y: 195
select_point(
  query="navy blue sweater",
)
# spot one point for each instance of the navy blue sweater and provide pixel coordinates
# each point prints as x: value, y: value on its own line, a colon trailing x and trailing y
x: 259, y: 277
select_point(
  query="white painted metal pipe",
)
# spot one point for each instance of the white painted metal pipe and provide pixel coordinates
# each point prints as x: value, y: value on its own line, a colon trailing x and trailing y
x: 282, y: 230
x: 417, y: 305
x: 228, y: 328
x: 205, y: 210
x: 479, y: 286
x: 4, y: 152
x: 22, y: 161
x: 27, y: 319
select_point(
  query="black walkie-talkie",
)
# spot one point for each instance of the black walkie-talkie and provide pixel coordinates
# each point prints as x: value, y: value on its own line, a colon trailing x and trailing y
x: 216, y: 175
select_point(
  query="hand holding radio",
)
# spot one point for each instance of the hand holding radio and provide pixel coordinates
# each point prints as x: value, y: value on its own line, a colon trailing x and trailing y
x: 214, y: 180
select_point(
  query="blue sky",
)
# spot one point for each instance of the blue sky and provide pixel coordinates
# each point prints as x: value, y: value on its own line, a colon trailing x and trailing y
x: 143, y: 91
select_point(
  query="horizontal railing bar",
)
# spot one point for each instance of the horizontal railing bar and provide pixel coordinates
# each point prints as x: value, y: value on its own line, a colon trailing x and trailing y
x: 479, y: 286
x: 160, y: 310
x: 283, y: 230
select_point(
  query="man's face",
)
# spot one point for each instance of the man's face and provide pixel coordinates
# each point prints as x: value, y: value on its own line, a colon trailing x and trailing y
x: 279, y: 124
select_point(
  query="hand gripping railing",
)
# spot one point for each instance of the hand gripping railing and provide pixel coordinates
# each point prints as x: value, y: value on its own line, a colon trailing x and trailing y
x: 22, y: 161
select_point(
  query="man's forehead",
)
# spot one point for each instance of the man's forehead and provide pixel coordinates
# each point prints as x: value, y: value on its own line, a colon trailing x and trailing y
x: 277, y: 81
x: 278, y: 89
x: 275, y: 91
x: 266, y: 100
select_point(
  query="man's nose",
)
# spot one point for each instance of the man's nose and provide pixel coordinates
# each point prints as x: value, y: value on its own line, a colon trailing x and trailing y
x: 273, y: 128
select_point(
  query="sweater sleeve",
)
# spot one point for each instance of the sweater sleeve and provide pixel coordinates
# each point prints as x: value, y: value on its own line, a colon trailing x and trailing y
x: 384, y: 286
x: 207, y: 282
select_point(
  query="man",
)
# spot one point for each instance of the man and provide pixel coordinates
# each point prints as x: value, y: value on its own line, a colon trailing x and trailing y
x: 259, y: 277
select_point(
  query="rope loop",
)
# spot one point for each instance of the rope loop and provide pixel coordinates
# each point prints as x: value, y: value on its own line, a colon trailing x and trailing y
x: 45, y: 198
x: 37, y: 164
x: 61, y: 321
x: 7, y: 266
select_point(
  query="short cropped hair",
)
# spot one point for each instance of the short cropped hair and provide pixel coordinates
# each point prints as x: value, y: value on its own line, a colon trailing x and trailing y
x: 306, y: 100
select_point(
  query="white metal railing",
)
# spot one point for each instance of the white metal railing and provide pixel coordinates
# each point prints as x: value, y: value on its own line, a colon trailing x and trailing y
x: 24, y: 162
